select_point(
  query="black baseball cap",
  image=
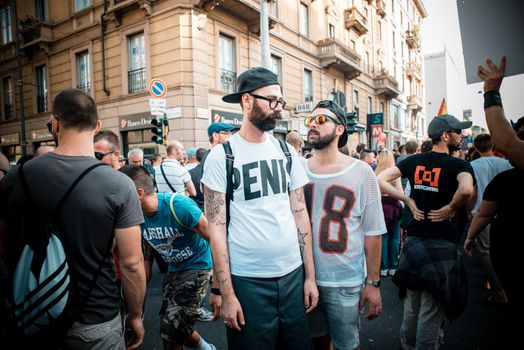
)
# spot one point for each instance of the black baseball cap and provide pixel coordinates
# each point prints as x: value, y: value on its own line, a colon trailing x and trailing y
x: 251, y: 80
x: 341, y: 116
x: 444, y: 123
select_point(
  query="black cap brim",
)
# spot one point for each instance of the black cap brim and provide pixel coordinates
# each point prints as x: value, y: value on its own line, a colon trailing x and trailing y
x: 233, y: 98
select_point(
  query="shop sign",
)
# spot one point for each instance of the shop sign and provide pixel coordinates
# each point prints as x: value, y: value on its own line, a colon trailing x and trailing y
x: 10, y: 139
x: 135, y: 121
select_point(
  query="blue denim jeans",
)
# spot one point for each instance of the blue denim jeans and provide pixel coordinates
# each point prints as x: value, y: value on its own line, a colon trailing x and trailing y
x: 338, y: 315
x: 390, y: 246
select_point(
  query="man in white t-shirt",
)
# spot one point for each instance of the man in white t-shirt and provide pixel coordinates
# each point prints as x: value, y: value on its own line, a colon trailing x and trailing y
x: 266, y: 288
x: 343, y: 200
x: 170, y: 176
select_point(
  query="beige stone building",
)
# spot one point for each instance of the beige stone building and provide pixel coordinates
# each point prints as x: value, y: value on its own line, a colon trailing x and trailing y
x: 364, y: 53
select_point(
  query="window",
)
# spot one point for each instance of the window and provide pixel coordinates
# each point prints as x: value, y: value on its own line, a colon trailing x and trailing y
x: 7, y: 90
x: 366, y: 15
x: 379, y: 31
x: 331, y: 31
x: 355, y: 102
x: 82, y: 4
x: 370, y: 105
x: 308, y: 85
x: 395, y: 116
x: 304, y: 20
x: 40, y: 12
x: 393, y: 7
x: 393, y: 39
x: 276, y: 67
x: 273, y: 8
x: 136, y: 75
x: 5, y: 24
x: 366, y: 63
x: 353, y: 45
x: 82, y: 71
x: 41, y: 89
x: 382, y: 109
x: 227, y: 63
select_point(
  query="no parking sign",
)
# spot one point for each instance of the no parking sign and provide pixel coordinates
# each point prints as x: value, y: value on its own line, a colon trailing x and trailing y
x: 157, y: 88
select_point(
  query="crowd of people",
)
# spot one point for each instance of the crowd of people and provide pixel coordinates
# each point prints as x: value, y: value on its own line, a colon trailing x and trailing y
x: 292, y: 244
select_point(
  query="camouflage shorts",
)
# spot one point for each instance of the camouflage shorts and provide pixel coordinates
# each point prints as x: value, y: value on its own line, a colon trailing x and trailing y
x: 184, y: 292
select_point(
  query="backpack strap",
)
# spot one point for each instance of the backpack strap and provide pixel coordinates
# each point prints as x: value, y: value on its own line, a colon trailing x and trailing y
x: 165, y: 178
x: 230, y: 160
x: 287, y: 153
x: 65, y: 196
x: 171, y: 200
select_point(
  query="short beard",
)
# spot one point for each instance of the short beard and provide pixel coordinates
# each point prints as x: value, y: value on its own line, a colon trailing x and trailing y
x: 264, y: 121
x: 322, y: 141
x: 453, y: 148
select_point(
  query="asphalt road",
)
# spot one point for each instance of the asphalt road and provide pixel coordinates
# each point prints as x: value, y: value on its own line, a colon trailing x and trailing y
x: 475, y: 329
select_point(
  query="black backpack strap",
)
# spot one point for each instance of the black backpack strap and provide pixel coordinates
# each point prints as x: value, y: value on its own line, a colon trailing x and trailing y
x: 165, y: 178
x: 65, y: 196
x: 287, y: 153
x: 230, y: 160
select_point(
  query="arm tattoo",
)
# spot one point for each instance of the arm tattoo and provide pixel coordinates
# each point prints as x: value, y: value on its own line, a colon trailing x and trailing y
x: 301, y: 241
x: 300, y: 195
x: 296, y: 211
x: 222, y: 276
x: 215, y: 207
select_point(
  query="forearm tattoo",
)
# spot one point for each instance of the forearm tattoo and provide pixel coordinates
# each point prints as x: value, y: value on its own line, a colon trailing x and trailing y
x: 215, y: 206
x: 300, y: 195
x: 301, y: 241
x: 223, y: 276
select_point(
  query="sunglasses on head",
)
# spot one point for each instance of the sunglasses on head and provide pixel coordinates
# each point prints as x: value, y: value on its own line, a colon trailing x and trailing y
x: 319, y: 119
x: 100, y: 155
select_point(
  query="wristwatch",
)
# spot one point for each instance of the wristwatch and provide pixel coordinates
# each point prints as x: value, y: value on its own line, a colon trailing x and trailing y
x: 375, y: 283
x: 215, y: 291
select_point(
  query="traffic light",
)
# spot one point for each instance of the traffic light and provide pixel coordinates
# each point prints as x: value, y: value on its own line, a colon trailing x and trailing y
x: 158, y: 131
x: 165, y: 129
x: 351, y: 122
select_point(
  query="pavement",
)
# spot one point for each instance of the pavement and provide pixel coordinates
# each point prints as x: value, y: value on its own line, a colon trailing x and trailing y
x: 476, y: 329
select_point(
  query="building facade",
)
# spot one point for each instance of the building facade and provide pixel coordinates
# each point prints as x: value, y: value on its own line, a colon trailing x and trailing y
x: 363, y: 53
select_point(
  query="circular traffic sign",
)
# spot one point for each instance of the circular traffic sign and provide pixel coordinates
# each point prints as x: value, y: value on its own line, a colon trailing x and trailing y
x: 157, y: 88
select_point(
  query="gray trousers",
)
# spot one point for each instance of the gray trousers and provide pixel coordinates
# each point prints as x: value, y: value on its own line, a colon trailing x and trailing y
x: 422, y: 324
x: 485, y: 260
x: 107, y: 335
x: 274, y: 312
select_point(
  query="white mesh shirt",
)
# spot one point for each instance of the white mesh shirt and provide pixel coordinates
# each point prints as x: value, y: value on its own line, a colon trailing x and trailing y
x: 344, y: 208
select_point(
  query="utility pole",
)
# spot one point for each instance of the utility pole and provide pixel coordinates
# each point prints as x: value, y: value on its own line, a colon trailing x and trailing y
x: 23, y: 144
x: 264, y: 35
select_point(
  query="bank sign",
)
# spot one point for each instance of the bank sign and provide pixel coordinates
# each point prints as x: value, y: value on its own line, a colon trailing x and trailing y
x: 135, y: 121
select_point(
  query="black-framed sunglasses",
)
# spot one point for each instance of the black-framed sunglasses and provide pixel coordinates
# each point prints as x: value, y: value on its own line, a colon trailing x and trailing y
x: 100, y: 155
x: 319, y: 120
x: 273, y: 102
x: 49, y: 125
x: 455, y: 131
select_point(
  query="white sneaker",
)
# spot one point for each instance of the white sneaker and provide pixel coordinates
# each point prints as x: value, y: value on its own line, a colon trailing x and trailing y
x: 383, y: 273
x: 205, y: 315
x: 392, y: 272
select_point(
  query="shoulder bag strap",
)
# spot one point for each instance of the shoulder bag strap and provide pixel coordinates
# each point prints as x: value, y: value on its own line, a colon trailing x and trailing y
x: 230, y: 160
x: 287, y: 153
x: 165, y: 178
x: 171, y: 206
x: 65, y: 196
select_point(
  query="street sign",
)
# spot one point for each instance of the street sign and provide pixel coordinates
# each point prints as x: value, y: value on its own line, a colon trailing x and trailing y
x: 157, y: 88
x: 157, y: 106
x: 304, y: 107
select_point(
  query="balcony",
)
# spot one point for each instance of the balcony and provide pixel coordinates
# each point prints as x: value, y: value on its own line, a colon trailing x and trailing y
x: 413, y: 39
x: 355, y: 20
x: 381, y: 8
x: 119, y: 7
x: 36, y: 35
x: 415, y: 102
x: 336, y: 55
x: 414, y: 71
x: 228, y: 80
x: 386, y: 85
x: 248, y: 10
x: 136, y: 80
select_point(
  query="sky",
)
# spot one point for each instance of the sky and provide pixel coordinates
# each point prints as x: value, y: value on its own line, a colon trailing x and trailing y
x: 440, y: 28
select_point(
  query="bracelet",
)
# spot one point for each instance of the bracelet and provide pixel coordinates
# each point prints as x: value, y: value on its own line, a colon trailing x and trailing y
x: 492, y: 98
x: 215, y: 291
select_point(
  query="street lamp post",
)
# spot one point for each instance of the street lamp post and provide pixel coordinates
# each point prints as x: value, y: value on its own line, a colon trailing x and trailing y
x: 23, y: 145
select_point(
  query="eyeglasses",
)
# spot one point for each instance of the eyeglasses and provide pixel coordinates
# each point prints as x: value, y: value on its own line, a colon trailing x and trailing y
x: 273, y: 102
x: 100, y: 155
x: 455, y: 131
x: 319, y: 120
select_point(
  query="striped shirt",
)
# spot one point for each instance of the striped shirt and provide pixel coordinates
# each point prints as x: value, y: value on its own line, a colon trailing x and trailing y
x: 175, y: 174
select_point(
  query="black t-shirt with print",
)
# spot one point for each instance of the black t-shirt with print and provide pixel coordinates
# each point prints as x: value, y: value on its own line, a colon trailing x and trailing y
x: 433, y: 180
